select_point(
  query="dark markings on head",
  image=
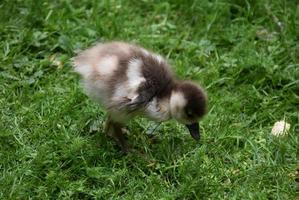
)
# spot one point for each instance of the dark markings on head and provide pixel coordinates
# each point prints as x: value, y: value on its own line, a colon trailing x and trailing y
x: 196, y: 100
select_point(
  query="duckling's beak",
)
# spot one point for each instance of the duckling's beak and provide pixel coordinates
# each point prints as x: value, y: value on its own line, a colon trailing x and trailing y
x: 194, y: 130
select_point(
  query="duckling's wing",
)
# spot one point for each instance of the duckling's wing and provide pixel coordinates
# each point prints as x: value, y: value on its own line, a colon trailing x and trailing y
x: 158, y: 78
x: 146, y: 94
x: 147, y: 91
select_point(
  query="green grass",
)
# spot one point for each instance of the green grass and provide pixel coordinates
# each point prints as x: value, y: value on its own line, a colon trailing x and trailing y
x: 245, y: 53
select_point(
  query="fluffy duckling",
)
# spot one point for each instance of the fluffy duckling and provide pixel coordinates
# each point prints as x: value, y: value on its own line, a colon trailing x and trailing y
x: 129, y: 80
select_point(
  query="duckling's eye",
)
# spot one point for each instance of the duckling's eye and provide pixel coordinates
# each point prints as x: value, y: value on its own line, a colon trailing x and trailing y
x: 189, y: 114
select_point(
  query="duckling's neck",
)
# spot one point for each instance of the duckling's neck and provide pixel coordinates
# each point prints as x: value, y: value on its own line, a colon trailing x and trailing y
x: 177, y: 103
x: 167, y: 105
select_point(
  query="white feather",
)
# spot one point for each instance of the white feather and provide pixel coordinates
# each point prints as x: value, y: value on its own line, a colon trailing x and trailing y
x: 134, y: 73
x: 177, y: 105
x: 128, y: 89
x: 107, y: 65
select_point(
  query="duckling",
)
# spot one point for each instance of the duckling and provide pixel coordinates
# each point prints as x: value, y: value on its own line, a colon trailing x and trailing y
x: 128, y: 80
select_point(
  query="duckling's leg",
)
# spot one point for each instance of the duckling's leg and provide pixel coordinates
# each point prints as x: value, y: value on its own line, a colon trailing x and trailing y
x: 114, y: 130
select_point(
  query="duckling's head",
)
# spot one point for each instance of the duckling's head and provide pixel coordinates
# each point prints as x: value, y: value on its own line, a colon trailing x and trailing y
x: 188, y: 103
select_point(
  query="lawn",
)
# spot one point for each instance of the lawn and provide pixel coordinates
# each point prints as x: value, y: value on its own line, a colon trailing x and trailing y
x: 244, y: 53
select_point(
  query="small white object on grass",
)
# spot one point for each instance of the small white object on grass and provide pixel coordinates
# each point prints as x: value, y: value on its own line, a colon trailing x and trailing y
x: 280, y: 128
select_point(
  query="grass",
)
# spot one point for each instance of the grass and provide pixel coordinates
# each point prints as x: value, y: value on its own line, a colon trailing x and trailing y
x: 245, y: 53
